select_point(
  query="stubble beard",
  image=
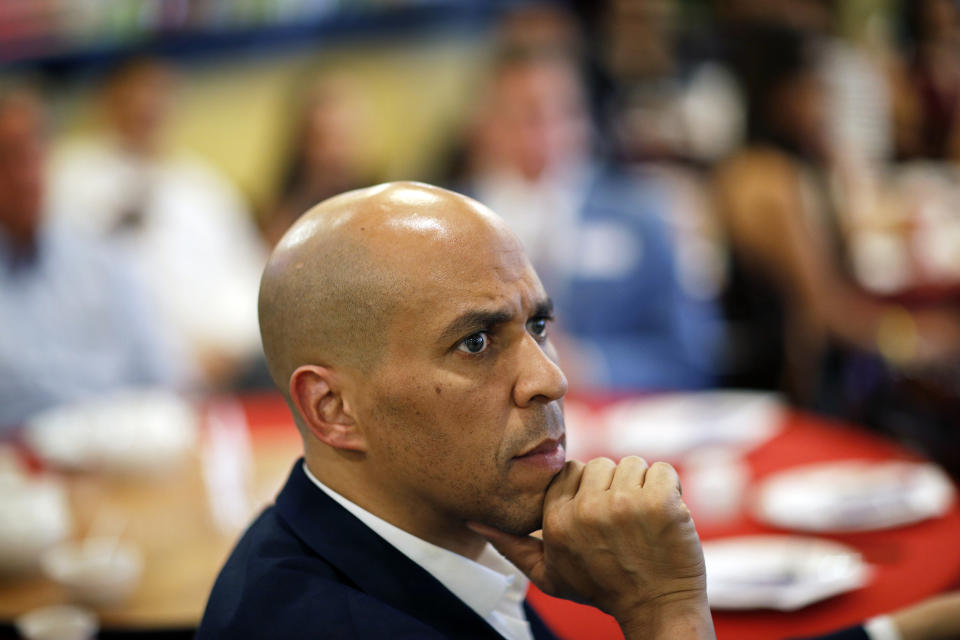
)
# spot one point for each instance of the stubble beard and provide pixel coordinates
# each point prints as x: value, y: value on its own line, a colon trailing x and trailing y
x: 523, y: 520
x: 523, y: 524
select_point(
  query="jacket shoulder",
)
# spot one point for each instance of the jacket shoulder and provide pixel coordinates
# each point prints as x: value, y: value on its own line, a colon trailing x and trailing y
x: 274, y: 586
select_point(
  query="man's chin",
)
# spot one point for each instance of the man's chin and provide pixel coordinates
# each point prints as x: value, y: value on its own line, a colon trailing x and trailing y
x: 518, y: 529
x: 519, y: 523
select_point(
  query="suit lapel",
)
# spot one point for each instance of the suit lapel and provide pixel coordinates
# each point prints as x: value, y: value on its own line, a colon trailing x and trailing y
x: 371, y: 563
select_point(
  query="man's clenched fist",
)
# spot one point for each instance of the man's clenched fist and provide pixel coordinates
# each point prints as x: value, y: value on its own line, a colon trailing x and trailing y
x: 618, y: 537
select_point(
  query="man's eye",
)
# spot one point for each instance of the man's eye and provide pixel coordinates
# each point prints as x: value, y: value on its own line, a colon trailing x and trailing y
x: 538, y: 327
x: 476, y: 343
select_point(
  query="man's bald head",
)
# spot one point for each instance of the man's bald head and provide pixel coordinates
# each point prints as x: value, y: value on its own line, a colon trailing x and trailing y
x: 345, y: 267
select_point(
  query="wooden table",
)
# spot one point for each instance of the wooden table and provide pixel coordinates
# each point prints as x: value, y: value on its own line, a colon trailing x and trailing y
x: 170, y: 519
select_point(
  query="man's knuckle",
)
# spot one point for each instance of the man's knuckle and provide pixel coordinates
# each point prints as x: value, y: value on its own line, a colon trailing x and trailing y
x: 661, y: 467
x: 589, y: 512
x: 672, y: 515
x: 623, y: 506
x: 573, y: 467
x: 633, y: 460
x: 601, y: 463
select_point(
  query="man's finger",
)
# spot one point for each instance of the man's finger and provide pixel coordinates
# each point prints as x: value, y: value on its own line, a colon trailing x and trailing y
x: 597, y: 475
x: 629, y: 473
x: 566, y: 483
x: 525, y: 552
x: 662, y: 476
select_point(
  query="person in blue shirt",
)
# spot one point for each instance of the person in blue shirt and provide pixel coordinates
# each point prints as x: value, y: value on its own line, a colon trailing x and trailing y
x: 597, y: 234
x: 74, y: 321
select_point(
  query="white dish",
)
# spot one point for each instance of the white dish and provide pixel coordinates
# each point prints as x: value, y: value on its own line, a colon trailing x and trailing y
x: 136, y: 431
x: 779, y: 572
x: 12, y: 469
x: 668, y: 427
x: 852, y: 496
x: 96, y: 571
x: 58, y: 622
x: 34, y: 515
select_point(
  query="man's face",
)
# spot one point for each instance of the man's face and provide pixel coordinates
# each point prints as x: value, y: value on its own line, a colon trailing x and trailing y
x: 139, y: 105
x: 467, y: 387
x: 538, y: 118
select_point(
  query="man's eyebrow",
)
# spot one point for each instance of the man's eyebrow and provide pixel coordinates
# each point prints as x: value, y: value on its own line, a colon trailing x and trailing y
x: 475, y: 321
x: 485, y: 319
x: 543, y: 309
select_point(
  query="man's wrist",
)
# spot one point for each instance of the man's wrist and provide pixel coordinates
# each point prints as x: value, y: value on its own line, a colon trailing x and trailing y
x: 680, y: 616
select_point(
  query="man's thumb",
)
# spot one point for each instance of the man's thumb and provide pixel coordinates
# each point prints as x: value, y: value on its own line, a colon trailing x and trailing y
x: 525, y: 552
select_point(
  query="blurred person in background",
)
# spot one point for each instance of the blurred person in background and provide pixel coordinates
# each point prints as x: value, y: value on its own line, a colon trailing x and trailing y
x: 326, y: 151
x: 672, y: 110
x: 184, y: 223
x: 594, y: 233
x: 936, y: 618
x: 929, y: 82
x: 73, y: 322
x: 812, y: 329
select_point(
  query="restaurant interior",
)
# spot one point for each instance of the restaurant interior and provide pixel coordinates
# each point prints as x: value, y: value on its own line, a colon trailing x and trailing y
x: 746, y: 212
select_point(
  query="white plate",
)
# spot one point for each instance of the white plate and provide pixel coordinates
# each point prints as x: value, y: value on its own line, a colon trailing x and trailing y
x: 34, y: 515
x: 58, y: 622
x: 852, y: 496
x: 96, y: 571
x: 779, y: 572
x: 669, y: 426
x: 133, y: 431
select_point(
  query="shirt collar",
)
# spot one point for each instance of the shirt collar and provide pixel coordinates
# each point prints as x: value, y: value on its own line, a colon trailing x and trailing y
x: 480, y: 584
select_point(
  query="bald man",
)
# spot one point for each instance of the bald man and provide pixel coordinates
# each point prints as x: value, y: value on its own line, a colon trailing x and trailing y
x: 410, y: 337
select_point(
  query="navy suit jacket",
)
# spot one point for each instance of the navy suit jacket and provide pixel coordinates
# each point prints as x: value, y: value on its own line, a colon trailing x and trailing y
x: 307, y: 568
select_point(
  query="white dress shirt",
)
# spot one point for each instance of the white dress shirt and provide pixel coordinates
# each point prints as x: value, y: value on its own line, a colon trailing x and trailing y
x: 185, y: 226
x: 491, y: 586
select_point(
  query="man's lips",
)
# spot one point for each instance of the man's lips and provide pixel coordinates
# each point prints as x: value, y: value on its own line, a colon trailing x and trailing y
x: 544, y: 447
x: 550, y: 453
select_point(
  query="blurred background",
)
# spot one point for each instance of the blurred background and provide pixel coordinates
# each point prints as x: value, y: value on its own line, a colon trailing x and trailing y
x: 750, y: 195
x: 735, y: 193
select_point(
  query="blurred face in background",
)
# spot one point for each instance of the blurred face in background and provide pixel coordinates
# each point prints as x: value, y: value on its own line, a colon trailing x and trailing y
x: 536, y: 118
x: 21, y: 166
x: 332, y: 130
x: 800, y: 109
x: 138, y: 104
x: 940, y: 20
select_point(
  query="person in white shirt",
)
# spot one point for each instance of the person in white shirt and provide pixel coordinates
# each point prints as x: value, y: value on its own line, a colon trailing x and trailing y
x: 182, y: 222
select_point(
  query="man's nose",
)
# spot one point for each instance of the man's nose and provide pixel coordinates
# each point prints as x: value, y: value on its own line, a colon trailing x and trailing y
x: 539, y: 377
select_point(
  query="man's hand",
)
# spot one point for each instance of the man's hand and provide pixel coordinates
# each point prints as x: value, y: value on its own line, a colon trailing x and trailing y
x: 618, y: 537
x: 936, y: 618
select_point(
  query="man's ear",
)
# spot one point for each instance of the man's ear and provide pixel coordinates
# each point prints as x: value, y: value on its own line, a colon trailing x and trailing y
x: 317, y: 394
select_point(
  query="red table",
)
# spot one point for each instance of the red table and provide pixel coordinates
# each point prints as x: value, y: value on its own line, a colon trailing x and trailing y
x: 910, y: 562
